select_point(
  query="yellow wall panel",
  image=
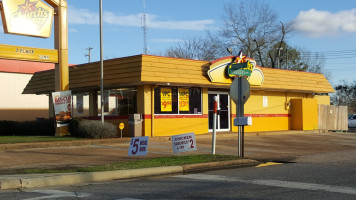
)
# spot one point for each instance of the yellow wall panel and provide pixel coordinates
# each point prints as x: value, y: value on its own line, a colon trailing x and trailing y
x: 205, y: 101
x: 146, y: 127
x: 310, y: 114
x: 175, y: 126
x: 322, y: 99
x: 268, y: 124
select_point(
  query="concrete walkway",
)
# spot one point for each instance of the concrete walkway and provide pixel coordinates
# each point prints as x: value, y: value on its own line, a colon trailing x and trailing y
x: 284, y: 146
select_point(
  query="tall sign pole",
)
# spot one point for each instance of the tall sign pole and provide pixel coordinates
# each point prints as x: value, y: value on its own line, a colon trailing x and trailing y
x: 239, y: 93
x: 214, y: 124
x: 101, y: 62
x: 61, y: 44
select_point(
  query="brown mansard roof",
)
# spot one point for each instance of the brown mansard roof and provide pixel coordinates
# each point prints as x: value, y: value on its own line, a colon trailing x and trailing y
x: 157, y: 70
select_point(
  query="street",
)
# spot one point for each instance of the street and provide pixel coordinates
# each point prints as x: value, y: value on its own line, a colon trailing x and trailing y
x: 327, y: 175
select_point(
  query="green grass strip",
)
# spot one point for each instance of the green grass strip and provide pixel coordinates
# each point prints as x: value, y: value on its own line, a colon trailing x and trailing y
x: 27, y: 139
x: 144, y: 163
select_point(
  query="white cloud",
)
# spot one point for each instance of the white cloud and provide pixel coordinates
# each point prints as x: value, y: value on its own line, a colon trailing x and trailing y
x: 315, y: 23
x: 84, y: 16
x: 72, y: 30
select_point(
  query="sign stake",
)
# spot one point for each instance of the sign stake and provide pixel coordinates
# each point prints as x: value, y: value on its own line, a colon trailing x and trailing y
x: 214, y: 124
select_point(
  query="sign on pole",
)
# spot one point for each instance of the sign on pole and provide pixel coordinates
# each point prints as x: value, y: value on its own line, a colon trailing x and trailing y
x: 240, y: 69
x: 121, y: 126
x: 138, y: 146
x: 28, y: 53
x: 184, y: 142
x: 27, y: 18
x: 245, y: 90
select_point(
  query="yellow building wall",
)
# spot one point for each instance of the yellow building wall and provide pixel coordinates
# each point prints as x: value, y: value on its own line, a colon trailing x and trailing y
x: 144, y: 107
x: 275, y: 113
x: 268, y: 111
x: 272, y: 115
x: 322, y: 99
x: 175, y: 126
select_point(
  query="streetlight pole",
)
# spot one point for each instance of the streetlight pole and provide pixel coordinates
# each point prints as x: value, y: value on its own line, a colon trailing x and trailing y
x: 101, y: 62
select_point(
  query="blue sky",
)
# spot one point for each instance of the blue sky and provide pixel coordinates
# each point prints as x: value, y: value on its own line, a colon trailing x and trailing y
x: 324, y: 26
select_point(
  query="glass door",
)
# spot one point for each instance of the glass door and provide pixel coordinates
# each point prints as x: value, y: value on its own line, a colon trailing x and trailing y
x: 223, y: 117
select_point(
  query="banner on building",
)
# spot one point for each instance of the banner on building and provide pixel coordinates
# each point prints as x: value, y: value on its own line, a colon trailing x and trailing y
x: 166, y: 100
x: 183, y: 99
x: 62, y: 102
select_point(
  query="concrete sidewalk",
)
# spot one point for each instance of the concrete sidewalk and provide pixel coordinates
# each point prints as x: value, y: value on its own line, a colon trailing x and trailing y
x: 284, y: 146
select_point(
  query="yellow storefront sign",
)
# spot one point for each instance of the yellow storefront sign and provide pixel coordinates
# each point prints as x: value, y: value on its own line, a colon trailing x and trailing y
x: 27, y: 17
x: 183, y: 99
x: 166, y: 100
x: 28, y: 53
x: 218, y: 68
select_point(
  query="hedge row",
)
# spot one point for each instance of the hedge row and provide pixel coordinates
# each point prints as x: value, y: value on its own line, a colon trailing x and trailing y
x: 44, y: 127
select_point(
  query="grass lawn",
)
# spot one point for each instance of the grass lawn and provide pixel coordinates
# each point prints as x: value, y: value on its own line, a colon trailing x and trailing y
x: 26, y: 139
x: 144, y: 163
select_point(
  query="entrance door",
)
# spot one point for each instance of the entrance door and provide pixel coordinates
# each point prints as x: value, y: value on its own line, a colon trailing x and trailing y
x: 223, y: 117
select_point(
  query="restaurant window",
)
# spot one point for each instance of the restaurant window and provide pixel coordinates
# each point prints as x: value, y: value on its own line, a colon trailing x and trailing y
x: 177, y: 100
x: 119, y: 102
x: 81, y: 104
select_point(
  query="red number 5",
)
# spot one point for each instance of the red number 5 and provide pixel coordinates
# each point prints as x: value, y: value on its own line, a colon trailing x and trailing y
x: 135, y: 145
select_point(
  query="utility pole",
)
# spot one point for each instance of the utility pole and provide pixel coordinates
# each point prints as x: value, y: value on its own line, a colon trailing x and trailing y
x: 89, y: 53
x: 144, y: 28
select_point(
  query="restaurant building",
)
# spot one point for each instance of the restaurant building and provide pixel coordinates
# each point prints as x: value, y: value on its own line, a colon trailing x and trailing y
x: 14, y: 76
x: 175, y: 96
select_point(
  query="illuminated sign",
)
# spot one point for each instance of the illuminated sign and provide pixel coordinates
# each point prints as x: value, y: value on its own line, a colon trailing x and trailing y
x: 218, y: 72
x: 28, y: 53
x: 27, y: 17
x: 240, y: 69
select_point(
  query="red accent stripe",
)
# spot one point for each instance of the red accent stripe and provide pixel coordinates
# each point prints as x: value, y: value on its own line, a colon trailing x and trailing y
x: 148, y: 116
x: 264, y: 115
x: 106, y: 117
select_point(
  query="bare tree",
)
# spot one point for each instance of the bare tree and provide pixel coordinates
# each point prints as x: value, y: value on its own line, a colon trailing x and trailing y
x: 254, y: 29
x: 346, y: 95
x: 208, y: 48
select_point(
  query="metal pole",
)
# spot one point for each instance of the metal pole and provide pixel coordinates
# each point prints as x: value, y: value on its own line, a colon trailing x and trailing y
x: 214, y: 124
x: 101, y: 61
x: 240, y: 113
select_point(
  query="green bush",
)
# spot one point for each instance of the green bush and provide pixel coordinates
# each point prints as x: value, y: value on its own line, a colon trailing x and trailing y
x: 92, y: 129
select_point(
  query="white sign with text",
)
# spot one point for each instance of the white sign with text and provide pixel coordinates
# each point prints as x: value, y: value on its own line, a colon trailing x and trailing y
x: 138, y: 146
x: 184, y: 142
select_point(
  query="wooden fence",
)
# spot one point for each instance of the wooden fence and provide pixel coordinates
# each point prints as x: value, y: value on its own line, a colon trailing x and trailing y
x: 333, y: 118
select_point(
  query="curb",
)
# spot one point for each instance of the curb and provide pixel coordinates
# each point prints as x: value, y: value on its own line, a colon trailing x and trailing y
x: 199, y: 167
x: 85, y: 177
x: 44, y: 180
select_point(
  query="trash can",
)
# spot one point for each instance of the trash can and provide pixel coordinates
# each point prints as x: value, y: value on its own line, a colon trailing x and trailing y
x: 135, y: 125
